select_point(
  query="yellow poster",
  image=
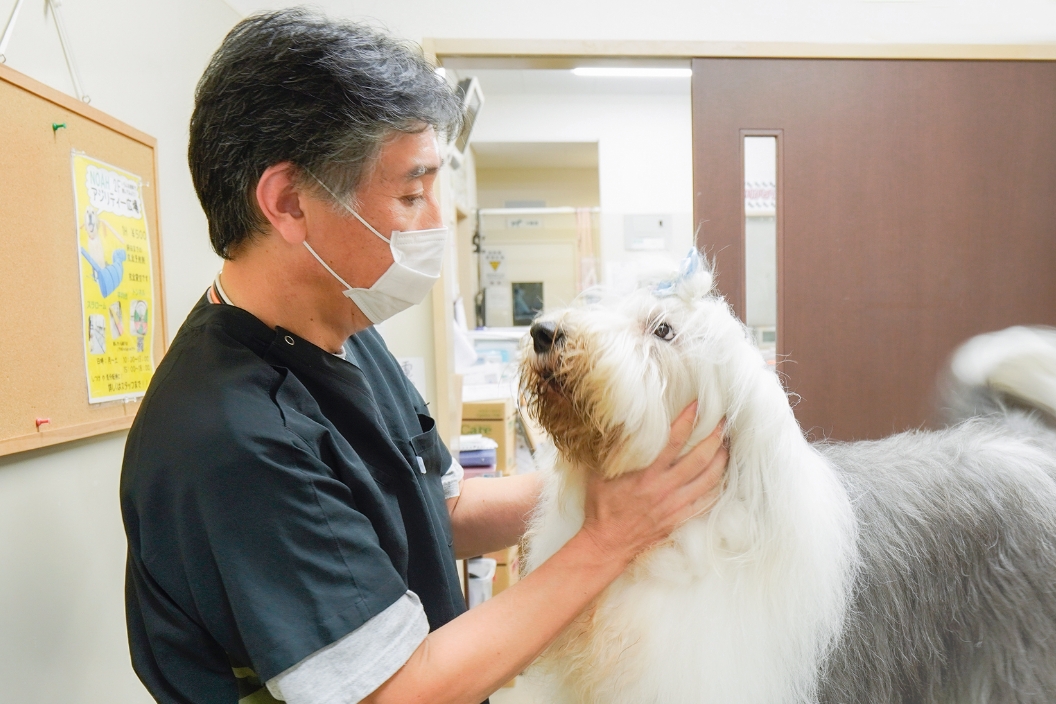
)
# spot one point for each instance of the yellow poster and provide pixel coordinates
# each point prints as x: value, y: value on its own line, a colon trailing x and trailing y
x: 117, y: 295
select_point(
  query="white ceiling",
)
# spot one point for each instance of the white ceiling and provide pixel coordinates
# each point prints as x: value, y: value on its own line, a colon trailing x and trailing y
x: 534, y: 155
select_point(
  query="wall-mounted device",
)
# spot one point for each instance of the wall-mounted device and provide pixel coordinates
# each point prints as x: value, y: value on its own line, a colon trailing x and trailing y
x: 472, y: 100
x: 642, y: 233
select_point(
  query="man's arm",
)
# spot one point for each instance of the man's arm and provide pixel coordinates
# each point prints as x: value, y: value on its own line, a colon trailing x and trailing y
x: 491, y: 514
x: 466, y: 660
x: 469, y: 658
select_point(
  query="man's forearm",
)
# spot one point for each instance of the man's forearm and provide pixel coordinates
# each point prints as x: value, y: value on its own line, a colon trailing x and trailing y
x: 469, y: 658
x: 491, y: 514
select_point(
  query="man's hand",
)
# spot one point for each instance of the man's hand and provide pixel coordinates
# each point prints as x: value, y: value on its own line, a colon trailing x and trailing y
x: 635, y: 511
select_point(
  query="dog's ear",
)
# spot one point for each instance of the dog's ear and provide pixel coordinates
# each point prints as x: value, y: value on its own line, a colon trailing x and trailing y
x: 693, y: 280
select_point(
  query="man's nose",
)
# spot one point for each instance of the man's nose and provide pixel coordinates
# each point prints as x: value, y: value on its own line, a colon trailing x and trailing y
x: 433, y: 217
x: 544, y: 336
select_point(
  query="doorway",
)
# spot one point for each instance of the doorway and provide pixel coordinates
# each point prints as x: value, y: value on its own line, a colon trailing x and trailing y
x: 610, y: 135
x: 578, y: 171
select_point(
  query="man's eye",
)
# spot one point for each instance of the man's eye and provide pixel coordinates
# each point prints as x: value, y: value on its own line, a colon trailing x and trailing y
x: 414, y: 199
x: 664, y: 332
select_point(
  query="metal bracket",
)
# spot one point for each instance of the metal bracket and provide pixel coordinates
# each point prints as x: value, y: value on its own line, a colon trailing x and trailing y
x: 64, y: 39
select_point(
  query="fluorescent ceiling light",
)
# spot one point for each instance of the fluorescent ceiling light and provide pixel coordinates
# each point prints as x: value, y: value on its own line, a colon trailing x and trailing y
x: 441, y: 71
x: 633, y: 72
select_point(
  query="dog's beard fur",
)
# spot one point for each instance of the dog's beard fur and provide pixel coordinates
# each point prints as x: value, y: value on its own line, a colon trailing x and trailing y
x: 747, y: 604
x: 556, y: 389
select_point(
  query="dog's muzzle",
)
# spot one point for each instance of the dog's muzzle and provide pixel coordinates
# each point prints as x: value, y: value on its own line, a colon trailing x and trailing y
x: 545, y: 336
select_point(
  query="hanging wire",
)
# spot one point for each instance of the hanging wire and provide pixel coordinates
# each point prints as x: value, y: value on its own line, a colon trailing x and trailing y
x: 9, y: 29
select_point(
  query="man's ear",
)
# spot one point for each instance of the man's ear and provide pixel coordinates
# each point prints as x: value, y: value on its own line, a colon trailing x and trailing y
x: 279, y: 199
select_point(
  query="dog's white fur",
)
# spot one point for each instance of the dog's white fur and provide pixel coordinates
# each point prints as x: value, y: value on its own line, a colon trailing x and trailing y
x: 741, y: 605
x: 744, y: 601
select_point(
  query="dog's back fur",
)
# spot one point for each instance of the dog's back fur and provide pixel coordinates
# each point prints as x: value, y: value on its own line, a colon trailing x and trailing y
x: 955, y: 599
x: 916, y: 569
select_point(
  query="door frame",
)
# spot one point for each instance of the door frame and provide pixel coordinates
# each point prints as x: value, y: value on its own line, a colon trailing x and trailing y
x: 559, y: 53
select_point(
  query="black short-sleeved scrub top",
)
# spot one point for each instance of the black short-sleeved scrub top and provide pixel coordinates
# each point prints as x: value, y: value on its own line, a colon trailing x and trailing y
x: 275, y: 498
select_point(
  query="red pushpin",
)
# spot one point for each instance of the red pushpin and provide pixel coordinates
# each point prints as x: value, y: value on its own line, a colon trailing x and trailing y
x: 42, y: 421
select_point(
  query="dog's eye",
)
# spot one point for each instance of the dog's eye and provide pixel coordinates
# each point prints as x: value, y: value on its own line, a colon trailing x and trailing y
x: 664, y: 332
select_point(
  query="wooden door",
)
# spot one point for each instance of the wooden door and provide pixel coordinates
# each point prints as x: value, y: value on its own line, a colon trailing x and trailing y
x: 916, y: 208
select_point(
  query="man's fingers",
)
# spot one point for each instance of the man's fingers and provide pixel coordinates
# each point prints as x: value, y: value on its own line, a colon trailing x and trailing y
x: 712, y: 475
x: 696, y: 460
x: 680, y: 432
x: 704, y: 488
x: 704, y: 504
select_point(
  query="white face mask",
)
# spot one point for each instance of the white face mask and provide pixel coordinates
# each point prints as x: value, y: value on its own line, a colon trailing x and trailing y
x: 417, y: 256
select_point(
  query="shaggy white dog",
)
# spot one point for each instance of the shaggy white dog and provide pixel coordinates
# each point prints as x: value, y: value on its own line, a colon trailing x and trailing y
x: 921, y: 568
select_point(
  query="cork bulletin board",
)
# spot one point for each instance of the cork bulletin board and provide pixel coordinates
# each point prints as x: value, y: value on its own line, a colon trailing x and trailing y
x: 44, y: 330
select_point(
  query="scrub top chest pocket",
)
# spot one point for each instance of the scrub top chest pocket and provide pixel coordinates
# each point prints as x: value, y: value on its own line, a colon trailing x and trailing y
x: 426, y: 450
x: 427, y: 461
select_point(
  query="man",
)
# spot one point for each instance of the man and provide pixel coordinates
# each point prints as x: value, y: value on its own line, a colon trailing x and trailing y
x: 292, y: 516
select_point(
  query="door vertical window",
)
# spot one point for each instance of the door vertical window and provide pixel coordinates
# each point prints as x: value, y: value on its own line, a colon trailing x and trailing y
x: 760, y: 241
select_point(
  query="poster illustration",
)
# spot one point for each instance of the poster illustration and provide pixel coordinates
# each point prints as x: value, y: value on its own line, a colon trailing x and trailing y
x: 117, y: 293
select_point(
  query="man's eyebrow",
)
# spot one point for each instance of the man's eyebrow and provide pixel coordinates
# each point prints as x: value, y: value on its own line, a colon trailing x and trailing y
x: 422, y: 170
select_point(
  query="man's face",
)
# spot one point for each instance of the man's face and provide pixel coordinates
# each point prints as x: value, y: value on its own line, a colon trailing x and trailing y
x: 397, y: 194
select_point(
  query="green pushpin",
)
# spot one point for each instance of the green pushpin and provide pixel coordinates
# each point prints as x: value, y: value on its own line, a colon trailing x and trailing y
x: 56, y: 126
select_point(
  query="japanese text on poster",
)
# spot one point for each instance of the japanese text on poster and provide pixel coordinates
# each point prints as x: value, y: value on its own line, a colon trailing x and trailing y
x: 117, y: 293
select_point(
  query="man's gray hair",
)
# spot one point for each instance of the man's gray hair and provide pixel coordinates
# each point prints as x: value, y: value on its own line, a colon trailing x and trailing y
x: 293, y: 86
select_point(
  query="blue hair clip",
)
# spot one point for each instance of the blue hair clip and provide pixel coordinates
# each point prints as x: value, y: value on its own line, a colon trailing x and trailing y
x: 689, y: 268
x: 691, y: 264
x: 664, y: 289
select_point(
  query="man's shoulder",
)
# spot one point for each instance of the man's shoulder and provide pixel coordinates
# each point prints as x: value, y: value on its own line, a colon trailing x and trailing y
x: 212, y: 387
x: 381, y: 367
x: 218, y: 352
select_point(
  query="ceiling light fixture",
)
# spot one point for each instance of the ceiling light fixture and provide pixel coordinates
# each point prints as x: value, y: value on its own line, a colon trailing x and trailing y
x: 605, y: 72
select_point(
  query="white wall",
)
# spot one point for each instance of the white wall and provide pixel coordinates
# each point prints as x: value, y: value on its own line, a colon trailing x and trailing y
x: 62, y: 547
x: 645, y: 160
x: 62, y: 556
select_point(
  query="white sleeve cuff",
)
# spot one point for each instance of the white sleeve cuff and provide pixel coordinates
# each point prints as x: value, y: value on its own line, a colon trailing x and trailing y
x: 347, y: 671
x: 451, y: 480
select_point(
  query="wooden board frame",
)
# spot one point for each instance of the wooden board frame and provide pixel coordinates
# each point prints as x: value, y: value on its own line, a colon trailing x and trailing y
x: 74, y: 420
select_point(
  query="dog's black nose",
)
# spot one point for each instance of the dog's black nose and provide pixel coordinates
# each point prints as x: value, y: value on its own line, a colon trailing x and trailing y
x: 544, y: 336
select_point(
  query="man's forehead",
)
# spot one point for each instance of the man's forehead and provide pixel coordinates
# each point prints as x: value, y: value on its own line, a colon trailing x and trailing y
x: 410, y: 156
x: 423, y: 169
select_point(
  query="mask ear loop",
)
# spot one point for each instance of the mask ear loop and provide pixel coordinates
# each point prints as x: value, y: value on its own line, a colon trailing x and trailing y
x: 348, y: 208
x: 326, y: 266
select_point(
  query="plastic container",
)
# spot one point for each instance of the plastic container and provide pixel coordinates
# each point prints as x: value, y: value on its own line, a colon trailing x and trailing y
x: 477, y: 458
x: 481, y: 578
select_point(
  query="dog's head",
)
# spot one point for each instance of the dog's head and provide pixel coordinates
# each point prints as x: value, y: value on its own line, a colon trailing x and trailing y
x: 607, y: 376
